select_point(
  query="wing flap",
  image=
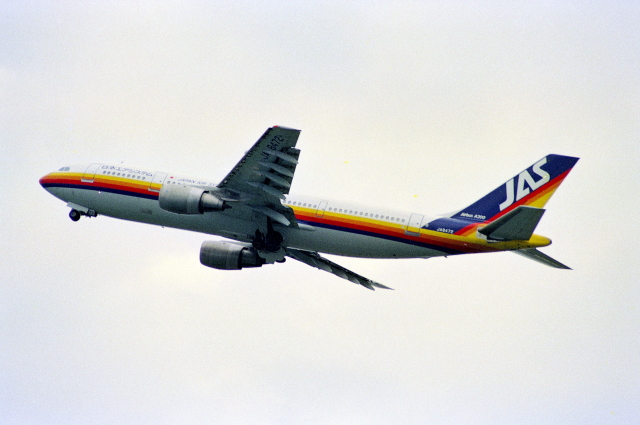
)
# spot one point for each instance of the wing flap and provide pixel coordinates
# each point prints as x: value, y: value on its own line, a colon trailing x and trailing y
x: 313, y: 259
x: 273, y: 214
x: 283, y: 156
x: 267, y: 189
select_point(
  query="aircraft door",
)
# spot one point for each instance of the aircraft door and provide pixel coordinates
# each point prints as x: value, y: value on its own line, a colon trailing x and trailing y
x: 156, y: 183
x: 413, y: 228
x: 90, y: 173
x: 321, y: 208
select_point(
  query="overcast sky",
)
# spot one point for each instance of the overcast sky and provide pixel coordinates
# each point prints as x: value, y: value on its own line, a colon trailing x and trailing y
x: 421, y: 105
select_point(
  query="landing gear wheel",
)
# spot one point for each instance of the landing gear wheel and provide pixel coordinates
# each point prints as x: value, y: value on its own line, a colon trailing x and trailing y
x: 273, y: 241
x: 258, y: 241
x: 269, y: 242
x: 75, y: 215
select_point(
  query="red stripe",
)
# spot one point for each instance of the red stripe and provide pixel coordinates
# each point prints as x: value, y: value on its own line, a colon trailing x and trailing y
x: 125, y: 187
x: 531, y: 196
x: 399, y: 233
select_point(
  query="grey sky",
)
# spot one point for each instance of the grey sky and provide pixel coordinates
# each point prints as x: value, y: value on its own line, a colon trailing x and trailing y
x: 422, y: 105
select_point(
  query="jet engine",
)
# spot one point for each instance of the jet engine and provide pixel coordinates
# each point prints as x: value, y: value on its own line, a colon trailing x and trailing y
x: 189, y: 200
x: 228, y: 256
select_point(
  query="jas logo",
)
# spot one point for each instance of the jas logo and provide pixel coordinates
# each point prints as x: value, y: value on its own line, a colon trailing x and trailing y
x: 524, y: 180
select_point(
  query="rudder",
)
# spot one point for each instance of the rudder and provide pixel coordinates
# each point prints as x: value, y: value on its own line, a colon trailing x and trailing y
x: 532, y: 187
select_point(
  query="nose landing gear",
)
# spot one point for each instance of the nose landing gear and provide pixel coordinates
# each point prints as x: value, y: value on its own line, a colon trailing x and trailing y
x: 75, y: 215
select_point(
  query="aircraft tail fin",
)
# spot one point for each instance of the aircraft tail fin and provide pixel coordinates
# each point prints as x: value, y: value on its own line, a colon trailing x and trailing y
x: 532, y: 188
x: 535, y: 255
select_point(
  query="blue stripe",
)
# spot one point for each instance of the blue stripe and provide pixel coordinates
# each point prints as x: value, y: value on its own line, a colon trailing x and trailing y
x: 448, y: 251
x: 103, y: 189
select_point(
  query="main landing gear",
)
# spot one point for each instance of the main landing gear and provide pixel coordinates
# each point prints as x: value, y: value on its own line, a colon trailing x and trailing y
x: 75, y: 215
x: 271, y: 242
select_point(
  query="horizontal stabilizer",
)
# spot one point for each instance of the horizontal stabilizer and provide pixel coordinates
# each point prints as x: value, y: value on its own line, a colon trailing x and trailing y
x: 315, y: 260
x: 535, y: 255
x: 517, y: 224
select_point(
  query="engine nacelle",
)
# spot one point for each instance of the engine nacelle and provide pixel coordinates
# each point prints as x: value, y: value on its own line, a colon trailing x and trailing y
x: 228, y: 256
x: 188, y: 200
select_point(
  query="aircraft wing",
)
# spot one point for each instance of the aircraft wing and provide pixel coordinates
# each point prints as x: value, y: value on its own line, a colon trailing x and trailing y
x: 264, y: 175
x: 315, y: 260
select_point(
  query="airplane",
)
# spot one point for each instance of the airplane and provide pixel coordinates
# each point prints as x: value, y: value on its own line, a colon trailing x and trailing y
x: 262, y: 224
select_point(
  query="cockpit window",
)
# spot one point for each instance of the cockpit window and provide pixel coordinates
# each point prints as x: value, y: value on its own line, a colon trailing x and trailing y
x: 64, y: 169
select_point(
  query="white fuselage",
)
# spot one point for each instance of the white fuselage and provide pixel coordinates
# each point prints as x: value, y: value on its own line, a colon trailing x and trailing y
x: 316, y: 225
x: 343, y: 229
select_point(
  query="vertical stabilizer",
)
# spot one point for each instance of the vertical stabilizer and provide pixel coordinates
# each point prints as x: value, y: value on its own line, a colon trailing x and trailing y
x: 532, y: 187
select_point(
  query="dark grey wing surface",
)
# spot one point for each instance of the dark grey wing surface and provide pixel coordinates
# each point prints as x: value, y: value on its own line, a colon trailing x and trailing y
x: 264, y: 175
x: 315, y: 260
x: 535, y: 255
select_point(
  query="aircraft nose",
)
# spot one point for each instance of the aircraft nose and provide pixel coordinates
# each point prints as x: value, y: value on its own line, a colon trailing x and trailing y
x: 45, y: 181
